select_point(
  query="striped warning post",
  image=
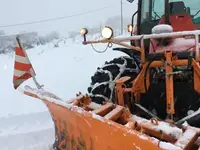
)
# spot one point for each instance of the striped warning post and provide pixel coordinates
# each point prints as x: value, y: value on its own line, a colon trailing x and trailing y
x: 23, y: 69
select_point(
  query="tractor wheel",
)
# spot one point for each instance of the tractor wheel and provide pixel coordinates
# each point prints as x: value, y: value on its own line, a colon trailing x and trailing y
x: 103, y: 82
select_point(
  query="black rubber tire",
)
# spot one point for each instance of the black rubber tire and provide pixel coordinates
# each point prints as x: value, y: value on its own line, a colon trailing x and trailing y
x: 102, y: 89
x: 102, y: 83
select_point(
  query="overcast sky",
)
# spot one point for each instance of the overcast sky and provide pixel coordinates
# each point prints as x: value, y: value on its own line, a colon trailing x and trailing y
x: 22, y: 11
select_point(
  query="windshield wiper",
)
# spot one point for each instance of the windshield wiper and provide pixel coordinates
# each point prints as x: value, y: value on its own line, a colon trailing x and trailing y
x: 195, y: 14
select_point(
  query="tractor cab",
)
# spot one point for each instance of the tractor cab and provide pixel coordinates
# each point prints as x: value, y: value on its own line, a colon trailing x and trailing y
x: 181, y: 15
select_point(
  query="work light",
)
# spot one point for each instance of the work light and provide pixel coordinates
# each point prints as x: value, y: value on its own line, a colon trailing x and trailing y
x: 130, y: 28
x: 84, y: 31
x: 107, y: 32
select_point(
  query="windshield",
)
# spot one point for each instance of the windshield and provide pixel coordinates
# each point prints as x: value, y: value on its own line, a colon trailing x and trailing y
x: 154, y: 9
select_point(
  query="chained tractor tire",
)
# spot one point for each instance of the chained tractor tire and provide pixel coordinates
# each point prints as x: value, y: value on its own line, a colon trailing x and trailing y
x: 102, y: 88
x: 103, y: 82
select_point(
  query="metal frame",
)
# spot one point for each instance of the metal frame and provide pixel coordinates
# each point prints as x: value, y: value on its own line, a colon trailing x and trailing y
x: 141, y: 38
x: 139, y: 85
x: 115, y: 121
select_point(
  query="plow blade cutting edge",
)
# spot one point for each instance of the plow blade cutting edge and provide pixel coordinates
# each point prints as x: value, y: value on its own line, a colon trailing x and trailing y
x: 85, y: 125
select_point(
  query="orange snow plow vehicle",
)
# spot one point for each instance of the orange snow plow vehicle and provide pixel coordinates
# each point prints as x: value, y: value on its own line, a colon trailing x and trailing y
x: 147, y: 100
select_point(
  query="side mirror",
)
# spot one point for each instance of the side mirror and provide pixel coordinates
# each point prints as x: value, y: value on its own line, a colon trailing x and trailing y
x: 134, y: 27
x: 130, y: 1
x: 188, y: 10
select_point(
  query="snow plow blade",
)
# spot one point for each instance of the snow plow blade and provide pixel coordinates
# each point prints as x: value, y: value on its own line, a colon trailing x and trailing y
x: 84, y: 125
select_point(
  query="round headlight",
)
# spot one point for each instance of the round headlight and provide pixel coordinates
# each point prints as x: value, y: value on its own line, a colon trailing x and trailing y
x: 107, y: 32
x: 84, y: 31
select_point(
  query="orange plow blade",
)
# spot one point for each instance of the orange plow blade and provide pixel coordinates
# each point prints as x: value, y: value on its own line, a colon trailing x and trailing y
x: 83, y: 125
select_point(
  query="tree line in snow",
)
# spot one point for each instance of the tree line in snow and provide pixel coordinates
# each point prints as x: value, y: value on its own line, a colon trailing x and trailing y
x: 28, y: 40
x: 32, y: 39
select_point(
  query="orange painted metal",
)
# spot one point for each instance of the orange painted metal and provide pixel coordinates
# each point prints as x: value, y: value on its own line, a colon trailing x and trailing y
x: 119, y: 89
x: 174, y: 63
x: 169, y: 84
x: 115, y: 113
x: 148, y: 129
x: 79, y: 129
x: 187, y: 140
x: 85, y: 133
x: 115, y: 128
x: 138, y: 84
x: 103, y: 110
x: 196, y: 71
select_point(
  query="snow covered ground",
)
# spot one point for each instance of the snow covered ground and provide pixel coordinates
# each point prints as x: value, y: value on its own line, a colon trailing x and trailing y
x: 25, y: 123
x: 27, y: 132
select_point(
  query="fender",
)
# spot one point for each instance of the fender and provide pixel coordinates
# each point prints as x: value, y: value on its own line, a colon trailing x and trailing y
x: 127, y: 51
x: 130, y: 52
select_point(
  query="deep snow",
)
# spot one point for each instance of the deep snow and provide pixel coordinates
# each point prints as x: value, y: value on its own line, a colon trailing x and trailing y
x: 27, y: 132
x: 65, y: 70
x: 25, y: 123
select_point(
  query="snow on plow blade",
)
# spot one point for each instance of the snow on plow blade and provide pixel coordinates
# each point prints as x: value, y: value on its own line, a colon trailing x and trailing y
x: 83, y: 125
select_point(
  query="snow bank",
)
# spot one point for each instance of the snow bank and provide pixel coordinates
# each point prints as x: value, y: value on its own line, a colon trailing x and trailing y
x: 27, y: 132
x: 64, y: 70
x: 37, y: 139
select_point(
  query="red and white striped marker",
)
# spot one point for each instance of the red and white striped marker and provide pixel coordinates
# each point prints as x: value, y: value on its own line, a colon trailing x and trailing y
x: 23, y: 69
